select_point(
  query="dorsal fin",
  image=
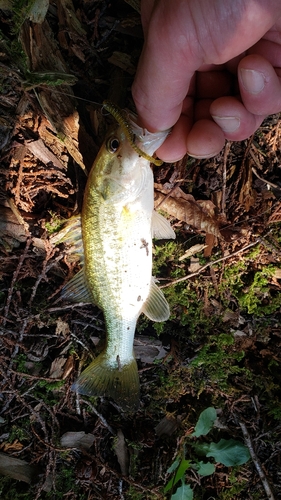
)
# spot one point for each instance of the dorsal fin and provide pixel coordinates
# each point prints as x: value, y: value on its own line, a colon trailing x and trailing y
x: 156, y: 307
x: 161, y: 228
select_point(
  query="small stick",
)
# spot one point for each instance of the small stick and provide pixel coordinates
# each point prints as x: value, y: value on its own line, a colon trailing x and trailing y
x: 224, y: 177
x: 99, y: 415
x: 256, y: 461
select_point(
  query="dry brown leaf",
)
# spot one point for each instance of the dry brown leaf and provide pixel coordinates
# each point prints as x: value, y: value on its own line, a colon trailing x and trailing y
x: 62, y: 327
x: 14, y: 446
x: 194, y: 265
x: 57, y: 368
x: 188, y: 211
x: 167, y: 425
x: 192, y: 251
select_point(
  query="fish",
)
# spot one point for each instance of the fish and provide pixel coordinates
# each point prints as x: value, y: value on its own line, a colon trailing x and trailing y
x: 117, y: 225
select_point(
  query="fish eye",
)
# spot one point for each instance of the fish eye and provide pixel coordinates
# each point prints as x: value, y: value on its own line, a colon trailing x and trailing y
x: 112, y: 145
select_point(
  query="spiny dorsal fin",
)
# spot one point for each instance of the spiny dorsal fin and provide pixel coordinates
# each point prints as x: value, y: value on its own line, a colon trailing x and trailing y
x: 120, y: 383
x: 156, y: 307
x: 161, y: 228
x: 76, y: 289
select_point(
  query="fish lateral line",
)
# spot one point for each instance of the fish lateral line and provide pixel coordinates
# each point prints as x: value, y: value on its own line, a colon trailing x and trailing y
x: 122, y: 120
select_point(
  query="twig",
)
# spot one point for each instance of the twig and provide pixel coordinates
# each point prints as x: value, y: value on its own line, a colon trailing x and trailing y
x: 14, y: 280
x: 99, y: 415
x: 256, y: 461
x: 224, y: 178
x: 258, y: 240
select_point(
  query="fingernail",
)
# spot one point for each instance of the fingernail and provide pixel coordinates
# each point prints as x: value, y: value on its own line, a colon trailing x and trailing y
x: 227, y: 123
x: 253, y: 81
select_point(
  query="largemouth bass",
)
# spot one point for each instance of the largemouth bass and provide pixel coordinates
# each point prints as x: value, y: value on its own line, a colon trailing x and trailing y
x: 118, y: 223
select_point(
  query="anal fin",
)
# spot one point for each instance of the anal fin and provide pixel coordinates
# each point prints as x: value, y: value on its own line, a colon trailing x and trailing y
x: 156, y: 306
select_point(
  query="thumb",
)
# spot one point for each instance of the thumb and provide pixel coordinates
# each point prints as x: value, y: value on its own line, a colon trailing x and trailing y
x: 163, y: 77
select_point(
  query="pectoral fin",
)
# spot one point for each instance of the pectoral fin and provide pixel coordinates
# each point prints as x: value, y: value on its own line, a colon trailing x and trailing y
x: 76, y: 289
x: 161, y: 228
x: 71, y: 235
x: 156, y: 307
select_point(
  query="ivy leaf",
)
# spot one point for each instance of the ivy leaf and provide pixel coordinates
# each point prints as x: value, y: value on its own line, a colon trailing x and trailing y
x: 205, y: 469
x: 205, y: 422
x: 184, y: 492
x: 229, y: 452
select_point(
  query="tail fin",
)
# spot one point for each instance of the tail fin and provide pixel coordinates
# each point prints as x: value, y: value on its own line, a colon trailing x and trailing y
x: 121, y: 383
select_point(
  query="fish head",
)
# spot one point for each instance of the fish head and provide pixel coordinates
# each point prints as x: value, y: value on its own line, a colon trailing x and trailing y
x: 120, y: 174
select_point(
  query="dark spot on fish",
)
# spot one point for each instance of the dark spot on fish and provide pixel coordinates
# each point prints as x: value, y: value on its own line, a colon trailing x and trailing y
x: 139, y: 298
x: 128, y: 328
x: 119, y: 363
x: 145, y: 245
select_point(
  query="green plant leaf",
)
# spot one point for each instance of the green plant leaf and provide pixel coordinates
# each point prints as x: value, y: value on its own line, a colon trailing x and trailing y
x: 229, y: 452
x: 184, y: 492
x: 171, y: 469
x: 205, y: 469
x: 174, y: 466
x: 205, y: 422
x: 184, y: 465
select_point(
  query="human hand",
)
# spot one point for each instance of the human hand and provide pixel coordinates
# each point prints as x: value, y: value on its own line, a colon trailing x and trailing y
x: 211, y: 70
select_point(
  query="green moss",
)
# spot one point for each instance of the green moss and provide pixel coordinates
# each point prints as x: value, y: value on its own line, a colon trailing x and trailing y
x: 218, y: 360
x: 20, y: 432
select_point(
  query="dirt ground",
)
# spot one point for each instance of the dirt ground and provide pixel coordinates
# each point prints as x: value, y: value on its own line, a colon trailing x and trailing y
x: 221, y: 346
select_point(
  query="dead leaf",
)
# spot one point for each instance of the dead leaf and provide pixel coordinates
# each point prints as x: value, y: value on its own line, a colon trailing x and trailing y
x: 121, y: 451
x: 62, y: 327
x: 57, y: 368
x: 14, y: 446
x: 192, y: 251
x: 147, y: 349
x: 17, y: 469
x: 68, y: 367
x: 79, y: 440
x: 188, y: 211
x: 167, y: 425
x: 194, y: 265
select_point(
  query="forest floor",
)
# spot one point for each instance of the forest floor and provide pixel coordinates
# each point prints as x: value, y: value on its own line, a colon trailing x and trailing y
x: 222, y: 277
